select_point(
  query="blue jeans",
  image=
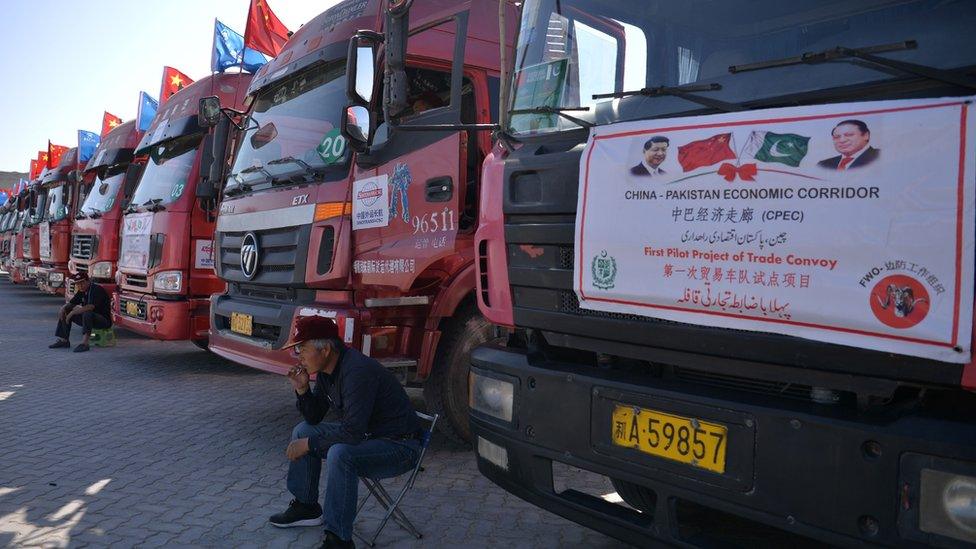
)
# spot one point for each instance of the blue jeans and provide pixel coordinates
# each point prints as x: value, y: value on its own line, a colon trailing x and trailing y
x: 344, y: 464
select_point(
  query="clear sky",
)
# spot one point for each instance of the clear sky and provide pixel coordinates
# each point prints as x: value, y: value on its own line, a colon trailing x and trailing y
x: 63, y: 62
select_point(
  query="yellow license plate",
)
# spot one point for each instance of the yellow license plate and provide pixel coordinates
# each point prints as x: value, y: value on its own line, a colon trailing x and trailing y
x: 242, y: 323
x: 131, y: 308
x: 677, y: 438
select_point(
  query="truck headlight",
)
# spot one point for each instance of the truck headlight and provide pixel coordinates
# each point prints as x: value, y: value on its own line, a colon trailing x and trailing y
x: 168, y: 282
x: 948, y: 505
x: 102, y: 269
x: 491, y: 396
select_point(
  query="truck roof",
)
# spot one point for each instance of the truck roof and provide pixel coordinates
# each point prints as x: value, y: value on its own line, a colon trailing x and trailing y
x: 69, y: 162
x: 178, y: 115
x: 116, y: 146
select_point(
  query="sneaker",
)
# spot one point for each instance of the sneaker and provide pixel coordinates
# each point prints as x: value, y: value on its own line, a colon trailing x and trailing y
x: 81, y: 348
x: 298, y: 514
x: 333, y: 541
x: 60, y: 344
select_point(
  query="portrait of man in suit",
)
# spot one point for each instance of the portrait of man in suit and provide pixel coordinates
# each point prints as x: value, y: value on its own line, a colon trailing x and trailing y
x: 655, y: 152
x: 852, y: 140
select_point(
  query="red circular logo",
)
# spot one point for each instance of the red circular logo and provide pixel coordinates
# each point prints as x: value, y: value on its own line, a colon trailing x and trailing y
x: 900, y: 301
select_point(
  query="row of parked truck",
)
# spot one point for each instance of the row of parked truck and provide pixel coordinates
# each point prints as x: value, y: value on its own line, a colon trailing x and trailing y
x: 413, y: 170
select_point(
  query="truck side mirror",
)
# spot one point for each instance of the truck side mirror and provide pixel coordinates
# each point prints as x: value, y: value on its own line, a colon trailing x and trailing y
x: 205, y: 187
x: 395, y: 72
x: 357, y: 127
x: 208, y: 113
x: 132, y: 175
x: 361, y: 67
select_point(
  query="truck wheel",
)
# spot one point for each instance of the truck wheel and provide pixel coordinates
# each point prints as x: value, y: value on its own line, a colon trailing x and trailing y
x: 636, y: 496
x: 446, y: 389
x: 202, y: 343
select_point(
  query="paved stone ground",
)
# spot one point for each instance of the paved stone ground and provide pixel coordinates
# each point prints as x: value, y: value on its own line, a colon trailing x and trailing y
x: 161, y: 444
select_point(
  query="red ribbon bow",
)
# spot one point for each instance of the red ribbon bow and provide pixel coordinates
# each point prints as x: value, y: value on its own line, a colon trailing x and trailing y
x: 746, y: 172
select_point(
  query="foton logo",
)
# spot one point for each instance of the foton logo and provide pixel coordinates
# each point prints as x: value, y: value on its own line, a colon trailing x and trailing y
x: 249, y: 255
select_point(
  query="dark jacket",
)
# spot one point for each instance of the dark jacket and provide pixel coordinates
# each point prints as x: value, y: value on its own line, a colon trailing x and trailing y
x: 370, y: 402
x: 868, y: 156
x: 97, y: 296
x: 641, y: 169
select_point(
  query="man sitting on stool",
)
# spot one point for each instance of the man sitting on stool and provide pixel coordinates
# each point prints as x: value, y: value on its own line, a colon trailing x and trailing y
x: 89, y: 308
x: 376, y: 436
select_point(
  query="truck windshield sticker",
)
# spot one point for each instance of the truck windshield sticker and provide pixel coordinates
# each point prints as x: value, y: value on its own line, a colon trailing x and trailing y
x: 539, y: 86
x: 134, y: 248
x: 371, y: 203
x: 848, y: 223
x: 332, y: 148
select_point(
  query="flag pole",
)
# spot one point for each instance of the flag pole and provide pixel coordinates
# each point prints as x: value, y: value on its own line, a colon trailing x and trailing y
x: 213, y: 56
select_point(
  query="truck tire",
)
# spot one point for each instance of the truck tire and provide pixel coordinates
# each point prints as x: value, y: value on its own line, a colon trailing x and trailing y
x: 446, y: 389
x: 636, y: 496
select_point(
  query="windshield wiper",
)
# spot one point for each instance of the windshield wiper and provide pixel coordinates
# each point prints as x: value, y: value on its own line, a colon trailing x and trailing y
x: 560, y: 111
x: 683, y: 92
x: 95, y: 214
x: 153, y: 205
x: 864, y: 54
x: 291, y: 160
x: 309, y: 171
x: 81, y: 215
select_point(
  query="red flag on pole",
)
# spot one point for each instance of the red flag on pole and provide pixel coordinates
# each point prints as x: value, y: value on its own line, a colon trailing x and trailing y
x: 173, y: 81
x: 54, y: 153
x: 705, y: 152
x: 35, y: 169
x: 264, y: 31
x: 41, y: 161
x: 109, y: 122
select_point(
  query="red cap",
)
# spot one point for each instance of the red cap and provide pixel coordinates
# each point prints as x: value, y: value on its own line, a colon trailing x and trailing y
x: 313, y: 327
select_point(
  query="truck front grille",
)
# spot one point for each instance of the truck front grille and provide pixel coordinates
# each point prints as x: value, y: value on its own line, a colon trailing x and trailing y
x: 83, y: 246
x: 281, y: 255
x: 136, y: 280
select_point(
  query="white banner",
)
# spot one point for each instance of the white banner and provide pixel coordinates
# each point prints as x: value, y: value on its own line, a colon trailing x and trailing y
x: 849, y: 223
x: 203, y: 254
x: 44, y: 234
x: 134, y: 249
x: 370, y: 202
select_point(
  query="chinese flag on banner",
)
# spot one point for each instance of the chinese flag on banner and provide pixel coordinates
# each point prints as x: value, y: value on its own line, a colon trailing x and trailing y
x: 705, y: 152
x: 35, y: 169
x: 173, y: 81
x: 264, y: 31
x: 54, y: 153
x: 109, y: 122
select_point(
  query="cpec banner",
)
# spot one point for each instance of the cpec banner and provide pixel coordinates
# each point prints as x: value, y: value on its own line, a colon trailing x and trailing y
x: 848, y: 223
x: 134, y: 248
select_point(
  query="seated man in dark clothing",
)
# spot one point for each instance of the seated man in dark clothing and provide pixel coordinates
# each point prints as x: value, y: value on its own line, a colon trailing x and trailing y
x: 89, y: 308
x: 376, y: 435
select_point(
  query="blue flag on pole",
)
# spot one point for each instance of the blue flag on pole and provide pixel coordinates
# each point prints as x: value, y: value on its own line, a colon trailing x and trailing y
x: 87, y: 143
x: 146, y: 111
x: 227, y: 48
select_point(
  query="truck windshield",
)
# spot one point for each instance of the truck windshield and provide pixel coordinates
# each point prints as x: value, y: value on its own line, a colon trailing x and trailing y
x: 294, y: 128
x: 570, y: 50
x: 57, y: 204
x: 40, y: 208
x: 167, y: 172
x: 103, y: 193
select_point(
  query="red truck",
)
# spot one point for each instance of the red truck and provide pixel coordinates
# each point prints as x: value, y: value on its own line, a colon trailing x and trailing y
x: 720, y: 417
x: 16, y: 266
x: 379, y: 239
x: 108, y: 181
x: 54, y: 232
x: 35, y: 203
x: 165, y: 270
x: 9, y: 227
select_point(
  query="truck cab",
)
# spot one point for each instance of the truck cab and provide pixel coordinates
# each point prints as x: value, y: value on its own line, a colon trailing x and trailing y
x: 54, y: 232
x: 745, y: 432
x: 165, y: 264
x: 95, y: 229
x: 36, y: 201
x: 17, y: 270
x: 9, y: 225
x: 380, y: 240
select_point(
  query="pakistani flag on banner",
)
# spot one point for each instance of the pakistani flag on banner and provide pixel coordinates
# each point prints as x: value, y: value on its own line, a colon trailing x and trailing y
x: 785, y: 148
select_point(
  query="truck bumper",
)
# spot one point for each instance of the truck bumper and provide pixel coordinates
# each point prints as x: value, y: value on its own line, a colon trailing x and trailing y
x: 272, y: 324
x: 51, y: 280
x: 162, y: 319
x: 18, y: 272
x: 796, y: 472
